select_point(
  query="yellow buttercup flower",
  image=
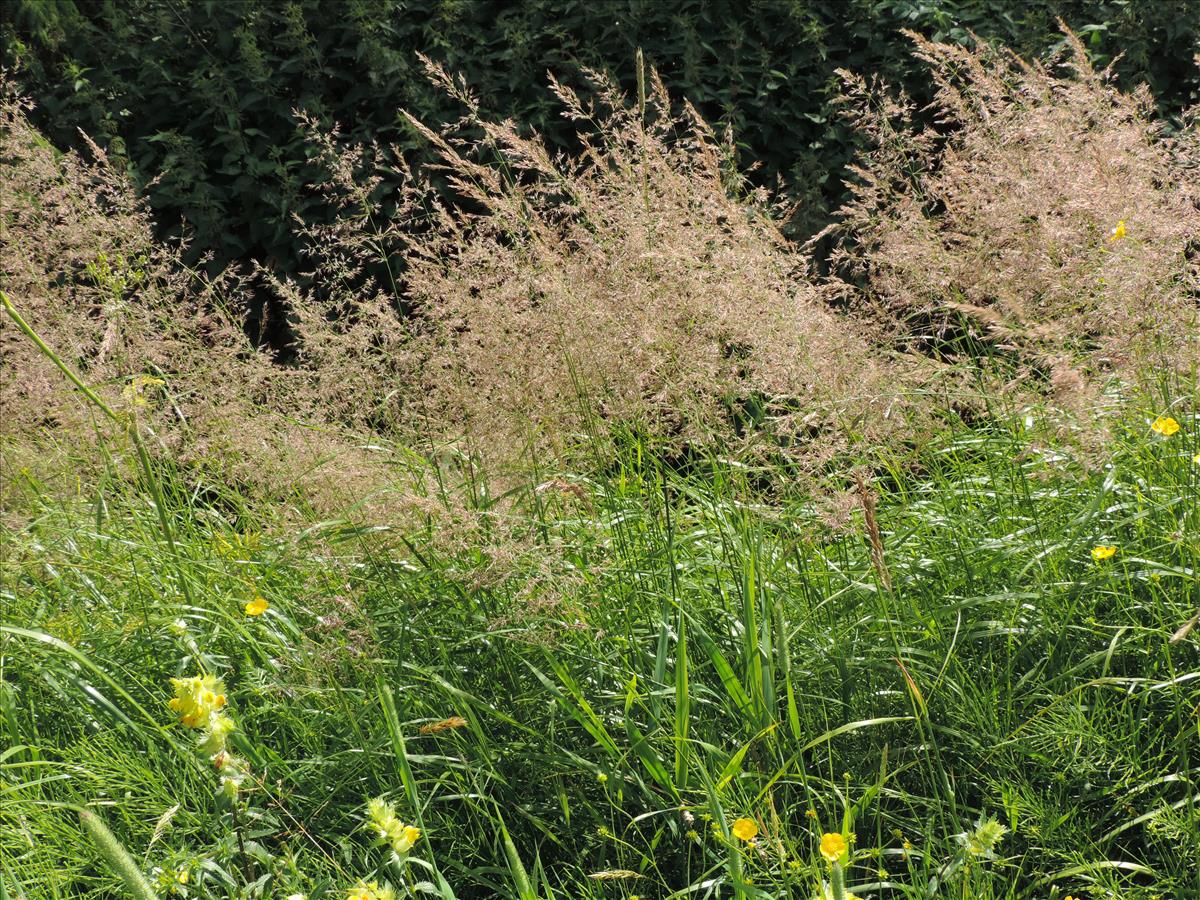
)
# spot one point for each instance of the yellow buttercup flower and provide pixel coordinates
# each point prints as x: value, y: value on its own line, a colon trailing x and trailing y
x: 257, y: 607
x: 1196, y: 459
x: 745, y: 829
x: 833, y: 846
x: 1164, y: 425
x: 1103, y: 552
x: 1118, y: 231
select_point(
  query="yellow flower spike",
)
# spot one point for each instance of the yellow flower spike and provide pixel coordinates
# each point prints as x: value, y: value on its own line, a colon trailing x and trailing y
x: 409, y: 837
x: 1118, y: 231
x: 370, y: 890
x: 1164, y: 425
x: 215, y: 740
x: 1103, y: 552
x: 388, y: 829
x: 745, y: 829
x: 833, y: 846
x: 257, y: 607
x: 197, y: 699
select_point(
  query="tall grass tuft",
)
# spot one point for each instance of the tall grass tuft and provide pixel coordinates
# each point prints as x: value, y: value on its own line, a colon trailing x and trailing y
x: 641, y: 286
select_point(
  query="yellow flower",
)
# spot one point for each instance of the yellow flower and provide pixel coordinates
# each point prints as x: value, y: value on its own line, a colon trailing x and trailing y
x: 1196, y: 459
x: 257, y: 607
x: 388, y: 828
x: 1164, y: 425
x: 833, y: 846
x: 408, y: 837
x: 197, y: 699
x: 1102, y: 552
x: 370, y: 890
x: 745, y: 829
x: 981, y: 841
x: 234, y: 771
x: 1118, y: 232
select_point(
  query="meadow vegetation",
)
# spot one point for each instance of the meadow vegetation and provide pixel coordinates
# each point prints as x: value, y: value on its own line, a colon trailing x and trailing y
x: 590, y: 543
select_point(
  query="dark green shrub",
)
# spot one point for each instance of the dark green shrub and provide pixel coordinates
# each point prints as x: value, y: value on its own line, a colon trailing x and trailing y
x: 196, y: 97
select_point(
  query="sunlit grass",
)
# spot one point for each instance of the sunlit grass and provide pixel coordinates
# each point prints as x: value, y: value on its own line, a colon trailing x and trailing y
x: 681, y: 652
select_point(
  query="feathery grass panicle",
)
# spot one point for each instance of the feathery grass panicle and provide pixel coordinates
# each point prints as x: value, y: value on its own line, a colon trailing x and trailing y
x: 641, y: 287
x: 1045, y: 214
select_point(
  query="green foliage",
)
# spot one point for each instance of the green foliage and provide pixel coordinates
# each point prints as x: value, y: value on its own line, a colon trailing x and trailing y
x: 675, y: 651
x: 196, y: 97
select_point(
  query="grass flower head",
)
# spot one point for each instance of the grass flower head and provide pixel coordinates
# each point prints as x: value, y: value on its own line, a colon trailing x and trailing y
x: 134, y: 393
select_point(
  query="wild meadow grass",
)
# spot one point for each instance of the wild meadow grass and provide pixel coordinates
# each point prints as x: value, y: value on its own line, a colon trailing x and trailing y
x: 603, y: 549
x: 698, y: 674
